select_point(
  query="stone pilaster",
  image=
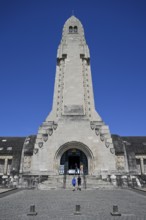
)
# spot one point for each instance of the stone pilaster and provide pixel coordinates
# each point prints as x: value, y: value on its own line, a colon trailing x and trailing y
x: 141, y: 164
x: 6, y: 166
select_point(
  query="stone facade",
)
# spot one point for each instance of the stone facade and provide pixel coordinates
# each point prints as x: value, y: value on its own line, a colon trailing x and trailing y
x: 73, y: 122
x: 73, y: 134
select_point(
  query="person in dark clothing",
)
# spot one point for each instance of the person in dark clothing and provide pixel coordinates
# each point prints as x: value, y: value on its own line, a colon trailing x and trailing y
x: 76, y: 168
x: 79, y: 182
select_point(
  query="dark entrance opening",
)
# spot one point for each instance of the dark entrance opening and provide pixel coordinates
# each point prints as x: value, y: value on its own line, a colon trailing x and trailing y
x: 72, y: 160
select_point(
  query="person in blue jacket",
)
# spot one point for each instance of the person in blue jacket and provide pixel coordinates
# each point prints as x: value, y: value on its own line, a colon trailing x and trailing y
x: 74, y: 183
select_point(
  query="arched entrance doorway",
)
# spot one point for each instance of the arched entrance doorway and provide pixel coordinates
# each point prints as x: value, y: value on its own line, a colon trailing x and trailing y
x: 71, y: 153
x: 72, y: 159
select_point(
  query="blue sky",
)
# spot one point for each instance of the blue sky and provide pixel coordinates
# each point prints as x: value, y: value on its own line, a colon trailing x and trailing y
x: 30, y: 32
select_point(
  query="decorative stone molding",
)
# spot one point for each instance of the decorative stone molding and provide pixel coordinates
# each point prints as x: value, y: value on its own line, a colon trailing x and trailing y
x: 95, y: 126
x: 50, y: 131
x: 107, y: 144
x: 102, y: 137
x: 27, y: 162
x: 55, y: 125
x: 92, y: 125
x: 45, y: 137
x: 40, y: 144
x: 120, y: 162
x: 51, y: 125
x: 112, y: 150
x: 35, y: 150
x: 97, y: 131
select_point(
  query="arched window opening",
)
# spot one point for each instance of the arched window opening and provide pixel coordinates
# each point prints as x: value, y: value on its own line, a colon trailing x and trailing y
x: 70, y: 29
x: 75, y: 29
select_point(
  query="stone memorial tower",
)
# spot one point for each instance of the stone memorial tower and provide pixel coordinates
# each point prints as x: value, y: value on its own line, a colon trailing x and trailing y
x: 73, y: 134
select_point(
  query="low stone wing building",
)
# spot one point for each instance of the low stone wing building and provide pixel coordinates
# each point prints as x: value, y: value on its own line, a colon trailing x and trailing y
x: 16, y: 155
x: 10, y: 156
x: 130, y: 154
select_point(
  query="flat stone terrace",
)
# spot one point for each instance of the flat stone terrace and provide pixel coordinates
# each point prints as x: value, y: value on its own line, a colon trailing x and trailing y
x: 60, y: 205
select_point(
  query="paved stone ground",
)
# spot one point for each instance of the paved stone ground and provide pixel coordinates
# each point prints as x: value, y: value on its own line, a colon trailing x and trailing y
x: 60, y: 205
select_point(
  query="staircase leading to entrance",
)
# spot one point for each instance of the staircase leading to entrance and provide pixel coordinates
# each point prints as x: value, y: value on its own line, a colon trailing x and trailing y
x: 94, y: 182
x: 53, y: 182
x: 65, y: 181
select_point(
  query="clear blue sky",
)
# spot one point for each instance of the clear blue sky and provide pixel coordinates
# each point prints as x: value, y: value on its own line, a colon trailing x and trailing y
x: 30, y: 32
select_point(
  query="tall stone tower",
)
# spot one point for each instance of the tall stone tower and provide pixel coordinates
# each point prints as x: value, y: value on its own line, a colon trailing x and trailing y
x: 73, y: 134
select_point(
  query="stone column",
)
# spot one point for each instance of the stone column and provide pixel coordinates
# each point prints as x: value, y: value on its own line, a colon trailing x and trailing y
x: 22, y: 159
x: 6, y: 166
x: 125, y: 158
x: 141, y: 164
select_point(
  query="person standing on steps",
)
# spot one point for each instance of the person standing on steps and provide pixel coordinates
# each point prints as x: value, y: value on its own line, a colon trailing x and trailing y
x: 74, y: 183
x: 76, y: 168
x: 81, y: 169
x: 79, y: 182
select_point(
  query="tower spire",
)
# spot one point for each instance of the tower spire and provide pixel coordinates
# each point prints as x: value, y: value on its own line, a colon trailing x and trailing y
x: 73, y: 122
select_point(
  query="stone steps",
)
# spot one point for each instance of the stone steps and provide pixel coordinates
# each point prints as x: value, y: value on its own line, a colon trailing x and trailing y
x: 53, y: 182
x: 93, y: 182
x: 90, y: 182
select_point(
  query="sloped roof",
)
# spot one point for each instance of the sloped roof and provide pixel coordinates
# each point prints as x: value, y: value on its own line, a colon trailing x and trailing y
x: 13, y: 145
x: 10, y: 145
x: 136, y: 144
